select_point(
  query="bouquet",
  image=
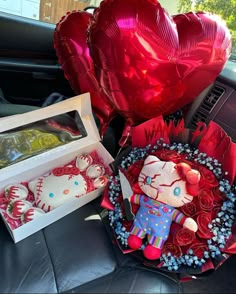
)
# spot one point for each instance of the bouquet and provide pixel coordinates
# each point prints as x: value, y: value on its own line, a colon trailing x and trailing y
x: 209, y: 151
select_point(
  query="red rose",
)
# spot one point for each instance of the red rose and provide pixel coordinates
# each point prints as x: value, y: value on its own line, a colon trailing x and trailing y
x: 127, y: 224
x: 208, y: 179
x: 219, y: 197
x: 199, y: 249
x: 174, y: 249
x: 174, y: 228
x: 184, y: 237
x: 192, y: 164
x: 133, y: 171
x: 196, y: 203
x: 203, y: 220
x: 168, y: 155
x: 215, y: 210
x: 189, y: 209
x: 206, y: 200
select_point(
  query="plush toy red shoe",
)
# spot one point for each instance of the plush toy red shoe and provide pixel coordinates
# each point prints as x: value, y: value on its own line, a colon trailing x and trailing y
x: 134, y: 242
x: 151, y: 252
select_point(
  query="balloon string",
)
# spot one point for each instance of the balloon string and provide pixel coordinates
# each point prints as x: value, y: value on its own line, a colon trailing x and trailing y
x: 126, y: 136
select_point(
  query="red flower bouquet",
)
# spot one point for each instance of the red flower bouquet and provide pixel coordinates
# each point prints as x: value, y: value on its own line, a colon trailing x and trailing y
x: 212, y: 209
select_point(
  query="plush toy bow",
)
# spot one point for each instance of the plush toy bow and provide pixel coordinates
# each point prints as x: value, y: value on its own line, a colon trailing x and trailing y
x: 191, y: 176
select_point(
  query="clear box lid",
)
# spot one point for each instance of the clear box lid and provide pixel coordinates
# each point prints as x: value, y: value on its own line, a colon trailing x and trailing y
x: 45, y: 132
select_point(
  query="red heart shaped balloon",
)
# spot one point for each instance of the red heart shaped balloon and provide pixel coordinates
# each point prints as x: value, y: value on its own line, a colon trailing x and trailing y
x: 70, y: 38
x: 151, y: 64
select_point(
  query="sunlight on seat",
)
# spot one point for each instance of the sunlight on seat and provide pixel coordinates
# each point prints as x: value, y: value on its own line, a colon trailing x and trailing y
x: 93, y: 217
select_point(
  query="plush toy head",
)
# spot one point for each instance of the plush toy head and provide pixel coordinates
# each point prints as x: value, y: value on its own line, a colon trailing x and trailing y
x: 167, y: 182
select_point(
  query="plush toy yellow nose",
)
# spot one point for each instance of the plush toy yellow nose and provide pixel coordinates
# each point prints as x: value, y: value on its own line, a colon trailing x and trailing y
x: 67, y: 191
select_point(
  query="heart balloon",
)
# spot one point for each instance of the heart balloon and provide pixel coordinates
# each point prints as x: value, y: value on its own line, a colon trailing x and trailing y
x: 70, y: 37
x: 149, y: 63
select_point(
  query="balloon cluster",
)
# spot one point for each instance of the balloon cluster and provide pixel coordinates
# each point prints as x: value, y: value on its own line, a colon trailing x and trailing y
x: 137, y: 60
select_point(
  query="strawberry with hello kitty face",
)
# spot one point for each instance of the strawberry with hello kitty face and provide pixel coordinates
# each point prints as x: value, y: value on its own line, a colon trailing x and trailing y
x: 67, y: 183
x: 164, y: 186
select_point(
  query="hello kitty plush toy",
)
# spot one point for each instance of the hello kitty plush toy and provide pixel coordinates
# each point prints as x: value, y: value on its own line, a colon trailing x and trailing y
x: 164, y: 186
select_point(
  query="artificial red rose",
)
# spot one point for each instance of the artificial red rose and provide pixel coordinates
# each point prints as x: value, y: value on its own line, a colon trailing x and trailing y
x: 168, y: 155
x: 133, y: 171
x: 120, y: 199
x: 183, y: 237
x: 196, y: 203
x: 203, y: 220
x: 127, y: 224
x: 208, y: 179
x: 205, y: 200
x: 192, y: 164
x: 174, y: 228
x: 219, y: 197
x: 199, y: 249
x: 197, y: 165
x: 189, y: 209
x: 174, y: 249
x: 216, y: 208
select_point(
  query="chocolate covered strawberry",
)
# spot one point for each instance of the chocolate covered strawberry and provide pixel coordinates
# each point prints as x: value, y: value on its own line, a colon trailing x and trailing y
x: 83, y: 161
x: 16, y: 192
x: 16, y: 208
x: 32, y: 213
x: 100, y: 182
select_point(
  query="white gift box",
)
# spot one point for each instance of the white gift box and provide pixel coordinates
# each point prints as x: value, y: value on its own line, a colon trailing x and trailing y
x: 40, y: 164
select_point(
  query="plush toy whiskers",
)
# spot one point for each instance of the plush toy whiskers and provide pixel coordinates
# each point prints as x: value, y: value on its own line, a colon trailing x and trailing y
x: 164, y: 186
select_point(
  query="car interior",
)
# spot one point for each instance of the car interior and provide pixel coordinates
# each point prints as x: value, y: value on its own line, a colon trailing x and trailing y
x: 77, y: 254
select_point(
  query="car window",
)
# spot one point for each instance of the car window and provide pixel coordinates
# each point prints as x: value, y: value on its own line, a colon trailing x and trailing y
x: 44, y: 10
x: 52, y: 10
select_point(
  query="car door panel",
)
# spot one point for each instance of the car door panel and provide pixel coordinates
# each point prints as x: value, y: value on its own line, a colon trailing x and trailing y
x: 29, y: 69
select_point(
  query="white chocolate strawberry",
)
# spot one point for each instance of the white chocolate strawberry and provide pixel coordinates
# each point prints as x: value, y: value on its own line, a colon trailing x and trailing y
x: 100, y: 182
x: 19, y: 207
x: 95, y: 171
x: 16, y: 192
x: 83, y: 161
x: 32, y: 214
